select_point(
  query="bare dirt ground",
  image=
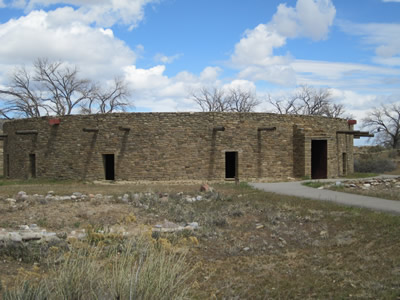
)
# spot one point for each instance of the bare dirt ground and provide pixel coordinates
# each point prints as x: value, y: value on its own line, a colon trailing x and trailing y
x: 250, y: 244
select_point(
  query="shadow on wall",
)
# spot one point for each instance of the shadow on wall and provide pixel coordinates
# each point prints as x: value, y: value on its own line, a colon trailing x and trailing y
x: 90, y: 155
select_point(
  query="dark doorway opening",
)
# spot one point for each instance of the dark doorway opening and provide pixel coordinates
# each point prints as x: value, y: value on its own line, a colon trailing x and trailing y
x: 344, y: 159
x: 319, y: 155
x: 108, y: 161
x: 7, y: 168
x: 231, y: 165
x: 32, y: 165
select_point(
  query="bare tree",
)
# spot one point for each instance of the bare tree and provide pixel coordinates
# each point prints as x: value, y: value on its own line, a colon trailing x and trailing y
x: 308, y: 101
x: 114, y: 98
x: 384, y: 121
x: 242, y: 101
x: 22, y: 96
x: 284, y: 106
x: 64, y: 89
x: 218, y: 100
x: 56, y: 88
x: 211, y: 99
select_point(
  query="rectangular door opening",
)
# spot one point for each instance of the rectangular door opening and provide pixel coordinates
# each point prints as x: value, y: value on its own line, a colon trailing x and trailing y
x: 344, y: 159
x: 7, y: 168
x: 32, y: 165
x: 231, y: 165
x: 108, y: 161
x: 319, y: 159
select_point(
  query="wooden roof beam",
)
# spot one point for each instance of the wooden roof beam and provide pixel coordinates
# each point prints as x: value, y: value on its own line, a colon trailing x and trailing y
x: 26, y: 132
x: 90, y: 129
x: 266, y: 128
x: 356, y: 133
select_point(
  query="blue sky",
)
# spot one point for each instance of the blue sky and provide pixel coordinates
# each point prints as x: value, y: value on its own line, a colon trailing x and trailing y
x: 167, y: 49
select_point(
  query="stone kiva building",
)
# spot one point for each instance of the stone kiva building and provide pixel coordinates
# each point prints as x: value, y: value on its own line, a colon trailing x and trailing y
x: 178, y: 146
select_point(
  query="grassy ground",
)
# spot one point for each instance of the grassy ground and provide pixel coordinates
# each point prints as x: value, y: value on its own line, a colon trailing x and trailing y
x: 251, y: 244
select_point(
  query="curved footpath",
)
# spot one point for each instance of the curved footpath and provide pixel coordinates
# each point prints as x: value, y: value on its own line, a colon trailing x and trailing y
x: 297, y: 189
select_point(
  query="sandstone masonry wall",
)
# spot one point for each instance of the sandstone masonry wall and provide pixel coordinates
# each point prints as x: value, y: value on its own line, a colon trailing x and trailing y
x: 1, y: 148
x: 173, y: 146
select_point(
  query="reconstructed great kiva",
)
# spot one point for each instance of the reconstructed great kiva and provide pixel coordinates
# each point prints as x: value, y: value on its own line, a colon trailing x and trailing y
x: 178, y: 146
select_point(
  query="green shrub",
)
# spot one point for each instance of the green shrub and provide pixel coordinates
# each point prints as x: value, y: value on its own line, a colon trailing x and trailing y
x: 374, y: 165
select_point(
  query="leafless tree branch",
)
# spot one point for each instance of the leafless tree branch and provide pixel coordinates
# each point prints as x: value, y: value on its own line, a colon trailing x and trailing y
x: 218, y: 100
x: 384, y: 122
x: 56, y: 88
x: 308, y: 101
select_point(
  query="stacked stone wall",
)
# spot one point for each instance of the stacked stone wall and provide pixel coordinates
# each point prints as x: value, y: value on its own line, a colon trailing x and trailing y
x: 1, y: 149
x: 172, y: 146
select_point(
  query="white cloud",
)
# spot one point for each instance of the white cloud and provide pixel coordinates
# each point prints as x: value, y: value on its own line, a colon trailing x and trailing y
x: 158, y: 92
x: 310, y: 18
x: 347, y: 75
x: 60, y: 34
x: 254, y: 53
x: 391, y: 1
x: 383, y: 37
x: 2, y: 4
x: 278, y: 74
x: 257, y: 46
x: 210, y: 74
x: 102, y: 12
x: 244, y: 85
x: 388, y: 61
x: 159, y: 57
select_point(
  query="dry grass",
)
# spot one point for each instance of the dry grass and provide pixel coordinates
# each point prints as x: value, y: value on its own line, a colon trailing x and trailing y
x: 134, y: 269
x: 251, y: 244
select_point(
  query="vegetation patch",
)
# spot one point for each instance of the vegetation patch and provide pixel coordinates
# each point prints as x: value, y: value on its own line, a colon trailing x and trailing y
x: 243, y: 243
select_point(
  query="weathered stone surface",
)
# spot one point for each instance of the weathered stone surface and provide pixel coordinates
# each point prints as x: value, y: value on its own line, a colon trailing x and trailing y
x: 176, y: 146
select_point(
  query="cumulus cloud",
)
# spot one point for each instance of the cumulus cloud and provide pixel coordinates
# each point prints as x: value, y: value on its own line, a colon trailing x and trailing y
x: 46, y: 34
x: 309, y: 18
x: 210, y: 74
x: 254, y: 53
x: 102, y: 12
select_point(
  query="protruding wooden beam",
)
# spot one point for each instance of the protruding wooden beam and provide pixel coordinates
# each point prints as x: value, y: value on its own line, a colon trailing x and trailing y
x: 266, y: 128
x: 3, y: 136
x: 356, y: 133
x: 219, y: 128
x: 124, y: 128
x: 90, y: 129
x: 26, y: 132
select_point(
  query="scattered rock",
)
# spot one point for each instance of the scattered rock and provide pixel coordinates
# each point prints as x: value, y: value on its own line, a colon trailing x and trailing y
x: 168, y: 226
x: 205, y: 188
x: 11, y: 201
x: 21, y: 196
x: 125, y: 198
